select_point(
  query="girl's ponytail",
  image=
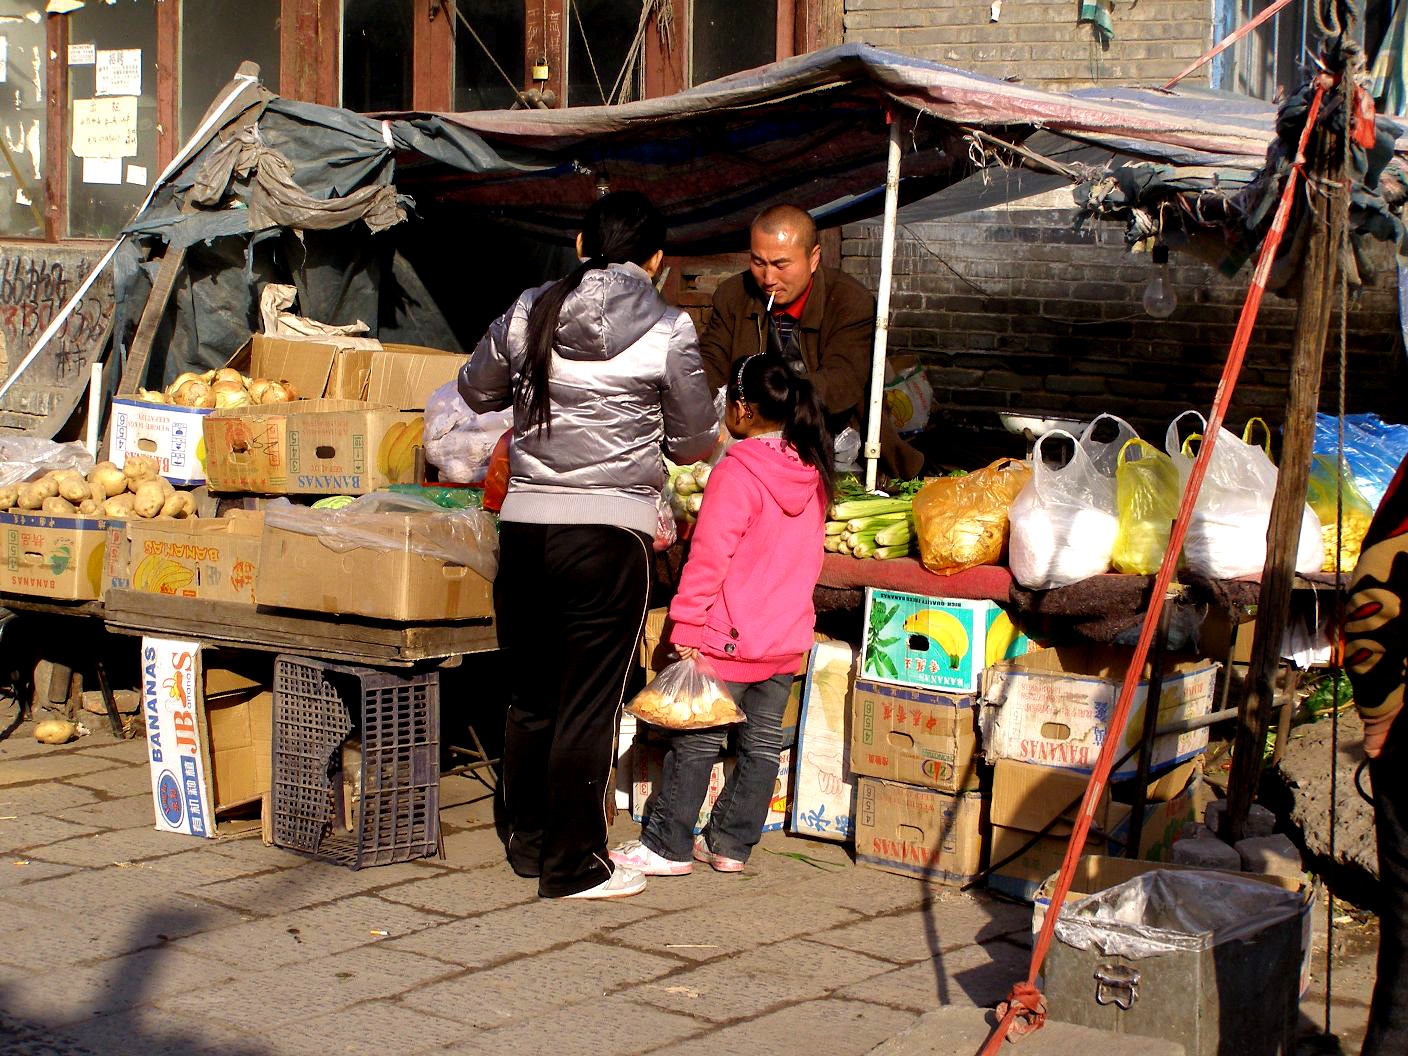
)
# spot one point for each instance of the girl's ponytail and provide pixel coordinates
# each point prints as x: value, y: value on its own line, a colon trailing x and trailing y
x: 767, y: 382
x: 531, y: 402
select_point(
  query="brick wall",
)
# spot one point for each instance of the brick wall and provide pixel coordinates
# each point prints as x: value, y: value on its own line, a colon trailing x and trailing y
x: 1039, y: 41
x: 1026, y: 315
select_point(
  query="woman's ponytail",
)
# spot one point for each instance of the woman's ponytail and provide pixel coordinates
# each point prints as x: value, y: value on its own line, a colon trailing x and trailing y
x: 767, y: 382
x: 619, y: 228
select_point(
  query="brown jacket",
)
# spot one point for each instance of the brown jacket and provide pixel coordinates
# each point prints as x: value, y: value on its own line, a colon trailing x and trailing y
x: 836, y: 334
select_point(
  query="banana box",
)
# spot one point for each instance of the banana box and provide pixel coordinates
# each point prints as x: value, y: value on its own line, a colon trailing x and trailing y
x: 174, y: 436
x: 311, y: 447
x: 54, y: 557
x: 942, y: 644
x: 214, y: 560
x: 915, y: 736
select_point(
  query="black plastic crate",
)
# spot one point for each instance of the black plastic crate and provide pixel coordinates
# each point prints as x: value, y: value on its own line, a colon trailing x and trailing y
x: 318, y: 706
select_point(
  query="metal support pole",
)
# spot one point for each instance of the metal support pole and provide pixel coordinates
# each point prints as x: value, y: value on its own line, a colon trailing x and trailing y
x: 882, y: 307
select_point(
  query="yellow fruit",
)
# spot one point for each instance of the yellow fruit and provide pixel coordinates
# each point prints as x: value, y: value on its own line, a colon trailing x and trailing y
x: 1002, y: 635
x: 401, y: 460
x: 900, y: 406
x: 200, y: 452
x: 94, y: 569
x: 383, y: 450
x: 944, y: 629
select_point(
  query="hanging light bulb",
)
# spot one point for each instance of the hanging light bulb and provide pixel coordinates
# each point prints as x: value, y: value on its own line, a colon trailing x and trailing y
x: 1159, y: 298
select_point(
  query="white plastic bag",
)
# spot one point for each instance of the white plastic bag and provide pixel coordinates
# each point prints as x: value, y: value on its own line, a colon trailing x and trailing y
x: 458, y: 442
x: 847, y: 457
x: 1063, y: 522
x: 25, y: 457
x: 1227, y: 532
x: 1104, y: 455
x: 686, y: 695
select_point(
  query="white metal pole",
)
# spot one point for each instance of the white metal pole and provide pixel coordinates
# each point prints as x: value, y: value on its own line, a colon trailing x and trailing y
x: 882, y: 307
x: 95, y: 405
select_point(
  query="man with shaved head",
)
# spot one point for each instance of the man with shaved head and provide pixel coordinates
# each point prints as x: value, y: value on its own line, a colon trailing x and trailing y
x: 819, y: 319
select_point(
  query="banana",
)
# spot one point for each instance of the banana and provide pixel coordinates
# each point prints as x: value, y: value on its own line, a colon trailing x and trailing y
x: 94, y: 569
x: 1002, y: 635
x: 401, y: 461
x: 383, y: 450
x: 942, y: 628
x: 161, y: 575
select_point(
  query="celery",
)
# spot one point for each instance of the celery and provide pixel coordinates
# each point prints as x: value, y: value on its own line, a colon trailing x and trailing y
x: 864, y: 550
x: 860, y: 524
x: 884, y: 553
x: 844, y: 511
x: 895, y: 534
x: 835, y: 528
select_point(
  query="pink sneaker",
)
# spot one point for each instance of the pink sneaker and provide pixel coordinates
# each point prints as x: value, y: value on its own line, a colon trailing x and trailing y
x: 635, y: 855
x: 717, y: 861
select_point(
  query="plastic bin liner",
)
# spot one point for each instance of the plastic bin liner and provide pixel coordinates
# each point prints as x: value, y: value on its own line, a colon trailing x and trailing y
x: 461, y: 537
x: 23, y: 457
x: 1167, y: 911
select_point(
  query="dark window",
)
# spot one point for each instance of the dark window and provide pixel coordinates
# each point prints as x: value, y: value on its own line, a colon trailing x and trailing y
x: 216, y: 36
x: 112, y: 92
x: 726, y: 36
x: 478, y: 84
x: 376, y: 55
x: 600, y: 37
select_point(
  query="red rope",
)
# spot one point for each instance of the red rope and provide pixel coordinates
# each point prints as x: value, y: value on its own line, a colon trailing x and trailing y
x: 1025, y: 1000
x: 1231, y: 38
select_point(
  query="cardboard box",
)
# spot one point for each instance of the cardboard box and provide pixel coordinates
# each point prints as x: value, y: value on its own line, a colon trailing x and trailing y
x: 298, y: 571
x: 213, y: 559
x: 648, y: 765
x: 1098, y: 873
x: 1053, y: 707
x: 1163, y: 824
x: 315, y: 366
x: 54, y: 557
x: 915, y: 736
x: 919, y: 831
x: 172, y: 435
x: 823, y: 794
x: 399, y: 376
x: 310, y: 447
x: 1028, y: 795
x: 935, y: 643
x: 209, y: 733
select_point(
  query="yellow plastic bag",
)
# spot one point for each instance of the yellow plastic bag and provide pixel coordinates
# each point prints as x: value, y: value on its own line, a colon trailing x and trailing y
x: 1146, y: 489
x: 1324, y: 481
x: 1249, y: 431
x: 962, y: 521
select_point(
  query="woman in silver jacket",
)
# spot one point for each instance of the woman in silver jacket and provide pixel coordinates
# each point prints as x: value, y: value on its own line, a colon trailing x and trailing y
x: 600, y: 373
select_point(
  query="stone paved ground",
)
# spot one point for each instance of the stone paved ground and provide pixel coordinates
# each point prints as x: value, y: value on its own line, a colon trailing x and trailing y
x: 119, y: 939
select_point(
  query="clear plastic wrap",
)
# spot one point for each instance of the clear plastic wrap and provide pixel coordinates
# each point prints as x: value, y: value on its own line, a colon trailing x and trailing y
x: 686, y: 695
x: 458, y: 442
x: 23, y: 457
x: 1166, y: 911
x: 461, y: 537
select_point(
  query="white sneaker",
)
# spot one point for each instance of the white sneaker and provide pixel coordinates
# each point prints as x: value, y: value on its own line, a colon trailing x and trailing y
x: 621, y: 883
x: 635, y: 855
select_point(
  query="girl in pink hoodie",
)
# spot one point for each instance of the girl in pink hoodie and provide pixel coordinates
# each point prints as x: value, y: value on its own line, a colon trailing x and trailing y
x: 745, y: 604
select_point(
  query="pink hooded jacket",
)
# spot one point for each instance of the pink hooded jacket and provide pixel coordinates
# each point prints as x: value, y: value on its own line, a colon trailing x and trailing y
x: 745, y: 596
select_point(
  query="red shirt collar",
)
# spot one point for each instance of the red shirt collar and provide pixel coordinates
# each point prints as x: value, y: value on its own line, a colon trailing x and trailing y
x: 796, y: 308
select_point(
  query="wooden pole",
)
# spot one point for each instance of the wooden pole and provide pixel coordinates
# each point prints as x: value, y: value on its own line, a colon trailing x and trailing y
x: 1326, y: 191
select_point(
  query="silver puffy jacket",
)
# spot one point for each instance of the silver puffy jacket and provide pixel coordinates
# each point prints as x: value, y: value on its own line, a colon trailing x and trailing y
x: 625, y: 378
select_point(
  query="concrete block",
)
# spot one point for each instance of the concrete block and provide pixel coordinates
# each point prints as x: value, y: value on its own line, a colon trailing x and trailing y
x: 1195, y: 830
x: 1260, y: 821
x: 1206, y: 853
x: 127, y: 701
x: 1272, y: 855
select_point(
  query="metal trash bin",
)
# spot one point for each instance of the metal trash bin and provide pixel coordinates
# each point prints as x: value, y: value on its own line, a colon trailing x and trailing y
x: 1204, y: 959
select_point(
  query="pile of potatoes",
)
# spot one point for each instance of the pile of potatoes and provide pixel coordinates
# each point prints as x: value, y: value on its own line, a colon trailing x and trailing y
x: 135, y: 490
x: 220, y: 389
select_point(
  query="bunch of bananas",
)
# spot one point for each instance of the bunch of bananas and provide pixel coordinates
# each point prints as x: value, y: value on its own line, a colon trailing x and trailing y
x: 396, y: 454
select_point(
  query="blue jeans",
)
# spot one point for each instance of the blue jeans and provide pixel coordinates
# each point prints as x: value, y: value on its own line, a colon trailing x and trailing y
x: 736, y: 823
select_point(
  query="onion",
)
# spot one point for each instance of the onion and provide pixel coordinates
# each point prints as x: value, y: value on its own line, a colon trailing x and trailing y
x: 193, y: 393
x: 276, y: 392
x: 230, y: 397
x: 256, y: 389
x: 230, y: 375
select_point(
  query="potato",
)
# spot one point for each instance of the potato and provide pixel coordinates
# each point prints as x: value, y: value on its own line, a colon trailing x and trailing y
x: 9, y: 496
x: 74, y: 489
x: 149, y: 499
x: 55, y: 731
x: 58, y: 507
x: 30, y: 496
x: 90, y: 508
x: 138, y: 468
x: 107, y: 479
x: 174, y: 506
x: 120, y: 506
x: 166, y: 489
x: 49, y: 485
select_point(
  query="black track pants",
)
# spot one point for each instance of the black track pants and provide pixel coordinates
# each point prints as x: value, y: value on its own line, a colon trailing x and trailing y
x: 1388, y: 1011
x: 570, y: 602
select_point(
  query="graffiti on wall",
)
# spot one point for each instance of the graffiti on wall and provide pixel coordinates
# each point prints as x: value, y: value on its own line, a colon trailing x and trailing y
x: 35, y: 284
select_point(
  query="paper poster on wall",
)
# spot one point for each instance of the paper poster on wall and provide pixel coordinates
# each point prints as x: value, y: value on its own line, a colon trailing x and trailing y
x: 81, y: 54
x: 105, y: 128
x: 118, y: 72
x: 137, y: 174
x: 102, y: 170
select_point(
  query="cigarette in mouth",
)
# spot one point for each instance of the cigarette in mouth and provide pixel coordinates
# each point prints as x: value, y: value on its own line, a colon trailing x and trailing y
x: 770, y: 299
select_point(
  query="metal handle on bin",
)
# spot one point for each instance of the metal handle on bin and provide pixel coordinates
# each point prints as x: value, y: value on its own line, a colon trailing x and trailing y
x: 1117, y: 984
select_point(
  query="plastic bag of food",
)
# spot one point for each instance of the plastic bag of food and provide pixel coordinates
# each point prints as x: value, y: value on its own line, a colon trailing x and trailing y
x: 496, y: 479
x: 458, y: 442
x: 1372, y: 447
x: 1227, y: 532
x: 686, y: 695
x: 1147, y: 494
x: 1063, y: 522
x: 1326, y: 481
x: 908, y: 394
x: 962, y: 521
x: 665, y: 534
x: 1104, y: 455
